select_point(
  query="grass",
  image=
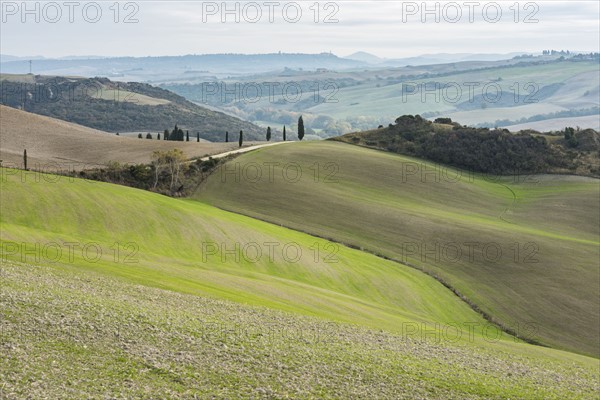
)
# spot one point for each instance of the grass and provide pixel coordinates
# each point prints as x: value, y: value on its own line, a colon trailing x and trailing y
x: 81, y: 334
x: 166, y: 316
x: 524, y: 249
x: 187, y: 247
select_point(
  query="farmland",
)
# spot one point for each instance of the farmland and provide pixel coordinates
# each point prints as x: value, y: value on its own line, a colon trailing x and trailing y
x: 515, y: 245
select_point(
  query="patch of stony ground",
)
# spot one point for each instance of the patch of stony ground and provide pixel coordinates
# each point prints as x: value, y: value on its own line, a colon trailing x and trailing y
x: 66, y: 335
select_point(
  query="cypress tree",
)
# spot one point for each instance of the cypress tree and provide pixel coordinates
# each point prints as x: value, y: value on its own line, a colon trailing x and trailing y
x: 25, y: 159
x: 268, y: 133
x: 300, y: 128
x: 241, y: 138
x: 187, y: 136
x: 284, y: 133
x: 226, y: 137
x: 158, y: 136
x: 198, y: 137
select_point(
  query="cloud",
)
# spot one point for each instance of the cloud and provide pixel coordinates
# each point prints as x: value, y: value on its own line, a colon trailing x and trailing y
x: 386, y: 28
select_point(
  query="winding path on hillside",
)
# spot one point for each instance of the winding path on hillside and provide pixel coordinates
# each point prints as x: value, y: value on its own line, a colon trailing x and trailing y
x: 241, y: 150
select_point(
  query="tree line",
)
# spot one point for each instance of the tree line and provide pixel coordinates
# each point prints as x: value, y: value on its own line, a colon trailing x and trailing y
x: 177, y: 134
x: 494, y: 151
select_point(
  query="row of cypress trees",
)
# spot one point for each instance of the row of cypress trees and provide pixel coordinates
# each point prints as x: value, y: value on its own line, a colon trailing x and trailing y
x: 300, y: 131
x: 177, y: 134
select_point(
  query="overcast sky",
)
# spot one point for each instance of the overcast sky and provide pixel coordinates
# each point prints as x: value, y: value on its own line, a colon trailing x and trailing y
x: 385, y: 28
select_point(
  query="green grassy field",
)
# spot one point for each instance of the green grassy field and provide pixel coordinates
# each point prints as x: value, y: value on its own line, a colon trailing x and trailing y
x: 80, y: 334
x: 168, y: 314
x: 524, y: 249
x: 189, y: 247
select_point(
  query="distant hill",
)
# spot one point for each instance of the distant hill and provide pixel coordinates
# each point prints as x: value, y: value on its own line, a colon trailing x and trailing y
x: 338, y: 102
x: 546, y: 89
x: 8, y: 57
x: 172, y: 67
x: 557, y: 124
x: 363, y: 56
x: 429, y: 59
x: 110, y: 106
x: 53, y: 144
x: 442, y: 58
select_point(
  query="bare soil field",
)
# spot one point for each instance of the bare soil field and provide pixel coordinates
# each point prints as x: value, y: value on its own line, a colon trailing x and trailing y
x: 54, y: 145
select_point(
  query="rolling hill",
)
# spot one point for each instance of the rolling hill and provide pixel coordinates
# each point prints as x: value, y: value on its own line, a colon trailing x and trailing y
x: 511, y: 93
x: 131, y: 106
x: 185, y: 250
x: 167, y: 297
x: 53, y: 144
x: 523, y: 249
x: 492, y: 93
